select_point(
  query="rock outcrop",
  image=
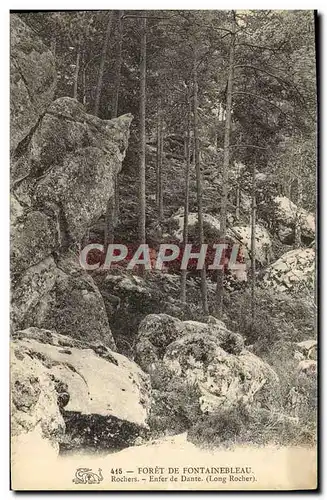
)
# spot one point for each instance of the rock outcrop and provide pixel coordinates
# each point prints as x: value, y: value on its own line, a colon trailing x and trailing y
x: 263, y: 243
x: 73, y: 306
x: 295, y: 270
x: 62, y: 175
x: 77, y: 394
x: 69, y: 388
x: 224, y: 379
x: 32, y: 80
x: 240, y: 235
x: 68, y: 166
x: 286, y: 215
x: 208, y: 356
x: 129, y: 299
x: 178, y: 220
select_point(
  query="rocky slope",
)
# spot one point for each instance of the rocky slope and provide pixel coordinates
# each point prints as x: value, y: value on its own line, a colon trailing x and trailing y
x: 62, y: 173
x: 72, y: 387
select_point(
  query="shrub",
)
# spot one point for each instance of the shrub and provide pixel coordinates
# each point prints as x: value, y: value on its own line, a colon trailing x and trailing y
x: 175, y: 406
x: 277, y: 317
x: 250, y: 425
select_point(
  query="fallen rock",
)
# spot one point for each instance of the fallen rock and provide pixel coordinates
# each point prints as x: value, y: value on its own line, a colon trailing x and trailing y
x: 178, y: 219
x: 286, y: 214
x: 73, y: 306
x: 224, y: 379
x: 308, y: 367
x: 291, y: 272
x: 155, y: 333
x: 263, y: 244
x: 103, y: 396
x: 308, y: 348
x: 158, y: 331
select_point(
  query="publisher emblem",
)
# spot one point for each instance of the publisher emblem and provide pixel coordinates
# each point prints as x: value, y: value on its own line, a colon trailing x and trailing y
x: 84, y: 475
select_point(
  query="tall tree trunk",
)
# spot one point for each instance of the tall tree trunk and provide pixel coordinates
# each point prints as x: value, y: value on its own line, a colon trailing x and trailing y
x: 158, y: 153
x: 238, y: 202
x: 77, y: 67
x: 187, y: 150
x: 199, y: 181
x: 238, y: 193
x: 160, y: 140
x: 87, y: 32
x: 84, y: 82
x: 253, y: 252
x: 115, y: 102
x: 115, y: 97
x: 224, y: 197
x: 110, y: 210
x: 102, y: 64
x: 160, y: 187
x: 298, y: 232
x: 141, y: 229
x: 299, y: 202
x: 160, y: 147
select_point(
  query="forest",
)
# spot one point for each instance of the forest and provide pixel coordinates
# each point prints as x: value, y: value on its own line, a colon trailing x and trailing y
x: 179, y: 127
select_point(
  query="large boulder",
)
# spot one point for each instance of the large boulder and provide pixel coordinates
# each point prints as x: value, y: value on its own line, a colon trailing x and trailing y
x: 66, y: 127
x: 102, y: 396
x: 36, y: 420
x: 224, y: 379
x: 69, y: 164
x: 28, y: 290
x: 158, y: 331
x: 34, y: 237
x: 32, y: 79
x: 178, y: 221
x: 75, y: 307
x: 155, y: 333
x: 293, y: 271
x: 286, y: 214
x: 263, y: 243
x: 182, y: 356
x: 64, y: 298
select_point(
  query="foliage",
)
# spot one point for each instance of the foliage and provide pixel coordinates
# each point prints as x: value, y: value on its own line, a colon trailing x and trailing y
x: 175, y: 404
x: 254, y: 426
x: 278, y: 317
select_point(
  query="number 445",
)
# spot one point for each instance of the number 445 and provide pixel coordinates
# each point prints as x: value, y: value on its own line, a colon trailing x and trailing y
x: 116, y: 471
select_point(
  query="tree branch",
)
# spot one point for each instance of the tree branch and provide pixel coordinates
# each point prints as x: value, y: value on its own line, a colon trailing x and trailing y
x: 263, y: 99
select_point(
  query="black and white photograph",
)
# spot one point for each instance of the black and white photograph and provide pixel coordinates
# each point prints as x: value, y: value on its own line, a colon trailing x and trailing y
x: 163, y: 266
